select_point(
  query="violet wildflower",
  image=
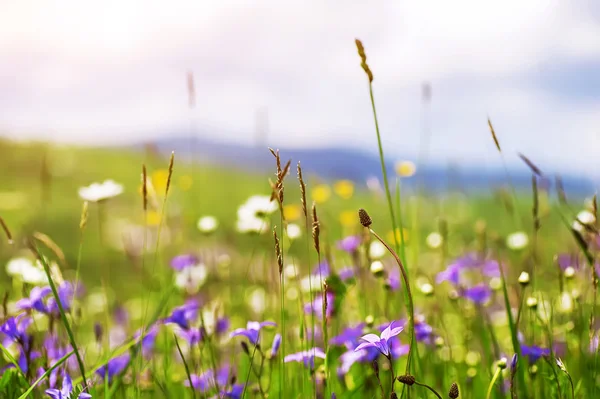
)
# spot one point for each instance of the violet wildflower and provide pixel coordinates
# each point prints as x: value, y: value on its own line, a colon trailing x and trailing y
x: 276, y: 344
x: 478, y: 294
x: 346, y: 273
x: 349, y: 244
x: 222, y: 325
x: 114, y: 367
x: 252, y: 330
x: 15, y: 329
x: 533, y: 353
x: 183, y: 315
x: 191, y: 335
x: 65, y: 294
x: 349, y: 337
x: 392, y: 281
x: 35, y: 301
x: 471, y: 261
x: 235, y: 392
x: 182, y: 261
x: 380, y: 342
x: 208, y: 380
x: 322, y: 270
x: 316, y: 306
x: 306, y: 357
x: 66, y: 391
x: 148, y: 340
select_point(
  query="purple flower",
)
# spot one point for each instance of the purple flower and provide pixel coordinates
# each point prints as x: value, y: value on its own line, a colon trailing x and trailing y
x: 316, y: 306
x: 533, y: 353
x: 235, y: 392
x: 114, y: 367
x: 222, y: 325
x: 183, y: 315
x: 322, y: 270
x: 121, y: 316
x: 275, y: 346
x: 192, y: 335
x: 306, y: 357
x: 349, y: 337
x: 66, y: 293
x: 182, y: 261
x: 393, y: 280
x: 478, y: 294
x: 380, y: 342
x: 65, y: 392
x: 24, y: 359
x: 35, y: 300
x: 452, y: 273
x: 252, y: 330
x: 207, y: 380
x: 15, y: 329
x: 148, y: 340
x: 349, y: 244
x: 423, y: 331
x: 347, y: 273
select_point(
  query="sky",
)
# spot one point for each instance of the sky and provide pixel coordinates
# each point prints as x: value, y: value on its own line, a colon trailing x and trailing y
x: 115, y: 72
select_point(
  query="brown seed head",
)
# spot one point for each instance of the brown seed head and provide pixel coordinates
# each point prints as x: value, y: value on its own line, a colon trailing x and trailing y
x: 302, y: 191
x: 393, y: 396
x: 375, y: 368
x: 84, y: 216
x: 245, y: 348
x: 171, y: 162
x: 494, y: 135
x: 6, y: 230
x: 363, y: 58
x: 278, y: 251
x: 316, y: 229
x: 364, y: 218
x: 407, y: 379
x: 145, y: 187
x: 453, y: 394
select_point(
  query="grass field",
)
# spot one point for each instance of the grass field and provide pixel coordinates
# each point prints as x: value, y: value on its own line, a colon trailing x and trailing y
x: 189, y: 317
x: 176, y: 280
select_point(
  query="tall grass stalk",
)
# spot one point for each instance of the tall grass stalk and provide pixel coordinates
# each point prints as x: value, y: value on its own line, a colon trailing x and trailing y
x: 407, y: 298
x: 185, y: 365
x: 59, y: 363
x: 63, y: 315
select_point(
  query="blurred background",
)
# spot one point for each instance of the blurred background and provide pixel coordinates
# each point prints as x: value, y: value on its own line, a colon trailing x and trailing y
x: 220, y: 81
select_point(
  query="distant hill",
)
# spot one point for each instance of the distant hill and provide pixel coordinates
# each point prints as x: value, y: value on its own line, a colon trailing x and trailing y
x: 357, y: 165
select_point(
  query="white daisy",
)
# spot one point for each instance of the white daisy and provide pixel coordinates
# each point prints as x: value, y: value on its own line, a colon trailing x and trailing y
x: 96, y: 192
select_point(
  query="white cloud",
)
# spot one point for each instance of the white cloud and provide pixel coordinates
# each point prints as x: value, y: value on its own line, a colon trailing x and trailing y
x: 73, y: 71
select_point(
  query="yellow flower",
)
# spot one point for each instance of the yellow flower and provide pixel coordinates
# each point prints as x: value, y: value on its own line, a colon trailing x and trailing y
x: 321, y: 193
x: 405, y: 168
x: 292, y: 212
x: 159, y: 180
x: 185, y: 182
x: 153, y: 218
x: 344, y: 188
x: 348, y: 218
x: 390, y: 235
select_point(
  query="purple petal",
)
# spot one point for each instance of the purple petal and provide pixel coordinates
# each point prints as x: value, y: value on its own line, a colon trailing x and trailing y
x: 372, y: 338
x: 54, y: 393
x: 364, y: 345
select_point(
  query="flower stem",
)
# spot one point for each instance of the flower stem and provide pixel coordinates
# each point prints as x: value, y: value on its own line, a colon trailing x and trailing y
x: 493, y: 382
x: 411, y: 309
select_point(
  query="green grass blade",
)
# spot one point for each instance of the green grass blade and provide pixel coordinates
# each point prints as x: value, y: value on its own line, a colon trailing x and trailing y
x: 63, y: 315
x: 185, y: 365
x: 46, y: 374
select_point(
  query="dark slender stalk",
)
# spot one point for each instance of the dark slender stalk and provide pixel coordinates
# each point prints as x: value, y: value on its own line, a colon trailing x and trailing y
x: 63, y: 315
x: 428, y: 387
x: 185, y: 365
x: 411, y: 309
